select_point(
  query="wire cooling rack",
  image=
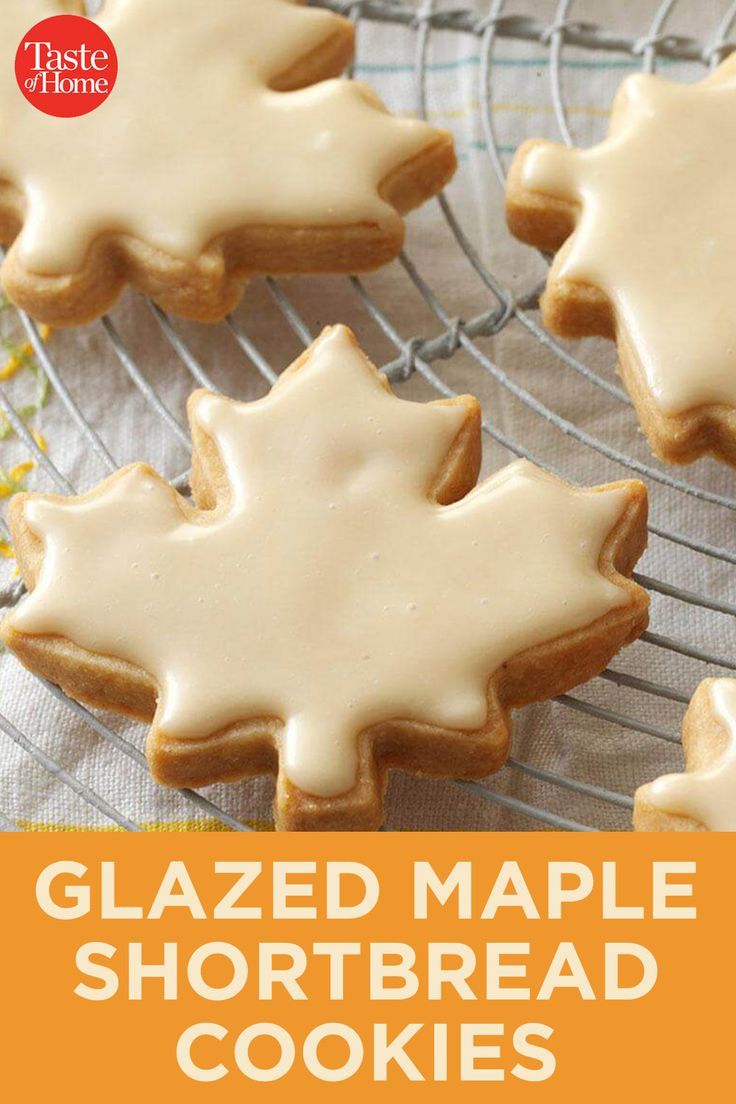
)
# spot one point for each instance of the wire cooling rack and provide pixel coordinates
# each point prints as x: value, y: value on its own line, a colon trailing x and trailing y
x: 536, y: 788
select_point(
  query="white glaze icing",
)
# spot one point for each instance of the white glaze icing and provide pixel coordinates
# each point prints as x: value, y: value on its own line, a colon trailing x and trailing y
x: 657, y: 231
x: 707, y: 795
x: 330, y: 591
x: 192, y: 142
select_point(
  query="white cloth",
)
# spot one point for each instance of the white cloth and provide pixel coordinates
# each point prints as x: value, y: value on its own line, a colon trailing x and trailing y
x: 548, y: 735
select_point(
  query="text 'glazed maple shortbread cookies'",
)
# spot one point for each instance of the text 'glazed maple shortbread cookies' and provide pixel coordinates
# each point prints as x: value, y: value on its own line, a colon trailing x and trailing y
x: 648, y: 222
x: 704, y: 797
x: 223, y: 150
x: 340, y: 600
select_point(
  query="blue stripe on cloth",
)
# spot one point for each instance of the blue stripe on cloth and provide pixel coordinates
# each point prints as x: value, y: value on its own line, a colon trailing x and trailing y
x: 513, y: 63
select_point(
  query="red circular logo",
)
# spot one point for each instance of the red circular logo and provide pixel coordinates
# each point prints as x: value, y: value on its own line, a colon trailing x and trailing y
x: 66, y: 66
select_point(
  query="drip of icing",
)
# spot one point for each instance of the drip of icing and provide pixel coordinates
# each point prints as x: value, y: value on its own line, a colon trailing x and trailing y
x: 657, y: 230
x: 192, y: 142
x: 329, y: 591
x: 707, y: 795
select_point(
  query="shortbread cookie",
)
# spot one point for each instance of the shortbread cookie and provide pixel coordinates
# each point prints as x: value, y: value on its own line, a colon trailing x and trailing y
x: 704, y: 798
x: 339, y: 600
x: 648, y: 218
x: 216, y: 156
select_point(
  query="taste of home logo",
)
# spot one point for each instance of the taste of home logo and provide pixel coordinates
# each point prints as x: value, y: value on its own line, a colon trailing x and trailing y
x: 66, y: 66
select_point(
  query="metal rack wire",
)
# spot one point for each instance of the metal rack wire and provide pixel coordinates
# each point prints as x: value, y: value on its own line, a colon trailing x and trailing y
x: 428, y: 356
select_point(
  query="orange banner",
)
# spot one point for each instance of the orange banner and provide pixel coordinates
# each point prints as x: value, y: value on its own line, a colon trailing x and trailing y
x: 237, y: 967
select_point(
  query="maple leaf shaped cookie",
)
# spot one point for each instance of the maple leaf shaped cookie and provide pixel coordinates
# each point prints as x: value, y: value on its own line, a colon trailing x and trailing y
x: 648, y: 221
x: 222, y: 151
x: 703, y: 798
x: 339, y: 601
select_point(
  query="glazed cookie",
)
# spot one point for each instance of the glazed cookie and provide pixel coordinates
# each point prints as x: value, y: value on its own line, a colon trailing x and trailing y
x: 224, y: 150
x: 338, y: 601
x: 648, y: 222
x: 704, y: 798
